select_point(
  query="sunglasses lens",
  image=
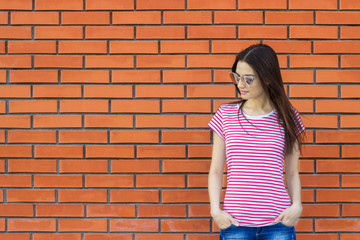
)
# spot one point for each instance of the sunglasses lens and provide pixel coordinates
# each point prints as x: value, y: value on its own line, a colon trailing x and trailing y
x: 249, y: 80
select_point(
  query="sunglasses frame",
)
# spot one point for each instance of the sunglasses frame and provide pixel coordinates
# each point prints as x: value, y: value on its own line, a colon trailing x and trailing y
x: 233, y: 76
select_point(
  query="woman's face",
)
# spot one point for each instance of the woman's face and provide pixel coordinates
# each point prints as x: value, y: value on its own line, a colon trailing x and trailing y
x: 255, y: 90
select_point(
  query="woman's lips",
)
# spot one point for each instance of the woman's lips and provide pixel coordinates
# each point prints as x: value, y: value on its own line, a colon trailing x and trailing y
x: 243, y: 92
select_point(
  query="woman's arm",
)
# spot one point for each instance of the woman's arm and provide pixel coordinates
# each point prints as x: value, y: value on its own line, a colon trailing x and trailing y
x: 290, y: 215
x: 222, y: 218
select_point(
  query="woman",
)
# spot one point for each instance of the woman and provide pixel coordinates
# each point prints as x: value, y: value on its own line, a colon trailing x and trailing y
x: 255, y: 137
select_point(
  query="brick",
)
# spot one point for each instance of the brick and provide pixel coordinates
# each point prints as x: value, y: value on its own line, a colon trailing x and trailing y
x: 348, y: 91
x: 217, y: 5
x: 60, y: 210
x: 206, y: 91
x: 82, y: 47
x: 350, y: 210
x: 199, y: 151
x: 333, y: 76
x: 297, y: 76
x: 350, y: 61
x: 159, y: 91
x: 135, y: 166
x: 188, y: 17
x: 135, y: 106
x: 25, y: 136
x: 313, y: 32
x: 14, y: 91
x: 343, y: 225
x: 32, y: 106
x: 211, y: 32
x: 3, y: 76
x: 199, y: 210
x: 318, y: 181
x: 160, y: 61
x: 134, y: 47
x: 57, y: 121
x: 109, y: 61
x: 341, y: 136
x: 15, y: 61
x: 134, y: 225
x: 161, y: 181
x: 32, y: 47
x: 56, y: 236
x: 350, y: 236
x: 109, y: 151
x: 16, y: 210
x: 109, y: 5
x: 15, y: 32
x: 201, y: 181
x: 349, y: 32
x: 30, y: 195
x: 188, y: 46
x: 289, y: 17
x: 17, y: 236
x: 79, y: 225
x: 108, y: 121
x: 336, y: 46
x: 321, y: 210
x: 160, y: 151
x: 335, y: 17
x: 58, y: 151
x: 134, y: 196
x: 229, y: 46
x: 313, y: 61
x: 12, y: 151
x: 304, y: 225
x: 209, y: 61
x: 98, y: 106
x: 26, y: 225
x: 16, y: 5
x: 109, y: 32
x: 107, y: 181
x: 160, y: 32
x: 335, y: 166
x: 108, y: 91
x: 188, y: 76
x: 253, y: 32
x: 54, y: 61
x: 350, y: 151
x: 4, y: 17
x: 56, y: 91
x: 336, y: 106
x: 107, y: 210
x: 350, y: 180
x: 184, y: 196
x: 52, y: 181
x: 34, y: 18
x: 313, y: 91
x: 318, y: 236
x: 197, y: 121
x: 136, y: 76
x: 59, y: 5
x: 289, y: 46
x: 307, y: 4
x: 134, y: 136
x: 202, y: 236
x: 85, y: 76
x: 31, y: 166
x: 350, y: 121
x: 85, y: 18
x: 320, y: 121
x: 161, y: 236
x: 83, y: 195
x: 322, y: 151
x: 185, y: 225
x: 183, y: 166
x: 259, y: 4
x: 58, y: 32
x: 160, y: 5
x: 161, y: 210
x: 83, y: 166
x: 349, y: 5
x: 185, y: 136
x: 140, y: 17
x: 337, y: 195
x: 238, y: 17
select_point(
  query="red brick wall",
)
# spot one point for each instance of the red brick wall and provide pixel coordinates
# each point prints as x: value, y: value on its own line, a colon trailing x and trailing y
x: 105, y: 104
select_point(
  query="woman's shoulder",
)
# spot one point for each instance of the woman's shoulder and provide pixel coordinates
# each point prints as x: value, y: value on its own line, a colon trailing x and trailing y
x: 228, y: 106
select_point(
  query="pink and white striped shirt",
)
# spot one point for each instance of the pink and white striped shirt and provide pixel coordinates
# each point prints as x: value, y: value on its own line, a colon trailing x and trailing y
x: 255, y: 194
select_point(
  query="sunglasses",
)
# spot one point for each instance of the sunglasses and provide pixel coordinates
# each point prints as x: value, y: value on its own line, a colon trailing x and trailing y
x: 236, y: 78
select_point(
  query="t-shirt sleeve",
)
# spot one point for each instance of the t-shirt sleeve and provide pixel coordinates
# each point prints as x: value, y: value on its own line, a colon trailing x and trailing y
x: 216, y: 123
x: 299, y: 128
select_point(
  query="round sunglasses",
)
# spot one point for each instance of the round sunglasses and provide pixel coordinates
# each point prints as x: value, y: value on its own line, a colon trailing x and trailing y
x: 236, y: 78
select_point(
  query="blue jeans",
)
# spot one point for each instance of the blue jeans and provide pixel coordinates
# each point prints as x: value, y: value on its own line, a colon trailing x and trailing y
x: 277, y: 231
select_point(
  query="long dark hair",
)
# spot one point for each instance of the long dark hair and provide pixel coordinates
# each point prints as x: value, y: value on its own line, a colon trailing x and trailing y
x: 262, y: 58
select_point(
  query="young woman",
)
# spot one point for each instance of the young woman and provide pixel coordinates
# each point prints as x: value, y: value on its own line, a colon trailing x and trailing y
x: 255, y: 137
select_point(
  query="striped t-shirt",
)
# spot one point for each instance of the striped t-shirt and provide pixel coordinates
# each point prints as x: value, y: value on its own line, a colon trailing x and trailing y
x: 255, y: 194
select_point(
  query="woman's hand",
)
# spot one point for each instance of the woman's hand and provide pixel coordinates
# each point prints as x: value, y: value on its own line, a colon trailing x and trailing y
x: 290, y: 215
x: 223, y: 219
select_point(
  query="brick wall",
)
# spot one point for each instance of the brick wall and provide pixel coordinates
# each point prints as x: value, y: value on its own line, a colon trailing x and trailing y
x: 105, y: 104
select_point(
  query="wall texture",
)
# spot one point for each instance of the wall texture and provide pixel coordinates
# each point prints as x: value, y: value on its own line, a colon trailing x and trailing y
x: 105, y: 104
